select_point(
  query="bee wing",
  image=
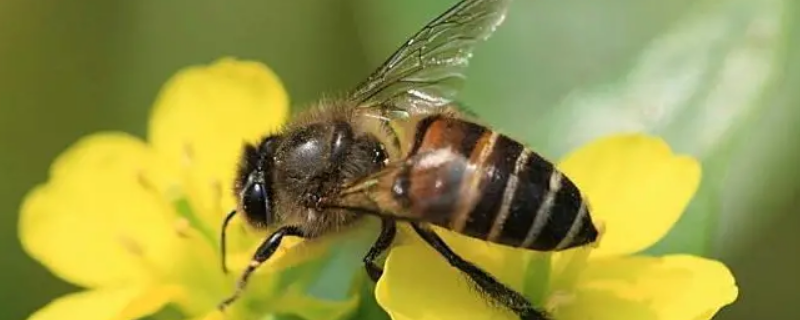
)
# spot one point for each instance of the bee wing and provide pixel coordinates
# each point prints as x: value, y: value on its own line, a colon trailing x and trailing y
x: 428, y: 70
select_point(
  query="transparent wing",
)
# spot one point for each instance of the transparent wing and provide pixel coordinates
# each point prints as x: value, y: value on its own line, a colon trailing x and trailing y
x: 428, y: 70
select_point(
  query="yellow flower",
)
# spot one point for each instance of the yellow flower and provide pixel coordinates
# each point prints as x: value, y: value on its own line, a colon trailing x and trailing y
x: 136, y: 222
x: 637, y: 189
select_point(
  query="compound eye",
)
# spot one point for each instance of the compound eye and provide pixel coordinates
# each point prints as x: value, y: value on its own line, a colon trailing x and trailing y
x: 256, y: 204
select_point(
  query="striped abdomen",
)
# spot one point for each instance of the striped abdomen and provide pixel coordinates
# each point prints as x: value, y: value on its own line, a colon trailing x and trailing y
x: 472, y: 180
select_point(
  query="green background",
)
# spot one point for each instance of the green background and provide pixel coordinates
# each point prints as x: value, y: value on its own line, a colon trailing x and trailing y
x: 556, y: 74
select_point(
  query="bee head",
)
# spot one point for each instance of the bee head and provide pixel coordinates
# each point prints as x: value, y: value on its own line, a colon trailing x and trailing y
x: 253, y: 186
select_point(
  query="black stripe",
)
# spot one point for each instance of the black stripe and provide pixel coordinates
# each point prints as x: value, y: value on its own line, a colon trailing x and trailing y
x: 566, y: 204
x: 499, y: 166
x: 472, y: 133
x: 422, y: 129
x: 533, y: 184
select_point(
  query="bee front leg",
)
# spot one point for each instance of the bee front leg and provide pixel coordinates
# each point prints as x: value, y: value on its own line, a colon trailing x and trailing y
x: 264, y: 252
x: 388, y: 231
x: 487, y: 284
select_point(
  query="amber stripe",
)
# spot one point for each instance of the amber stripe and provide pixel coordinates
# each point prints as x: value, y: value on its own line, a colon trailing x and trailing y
x: 402, y: 183
x: 474, y: 180
x: 461, y: 138
x: 416, y: 186
x: 422, y: 130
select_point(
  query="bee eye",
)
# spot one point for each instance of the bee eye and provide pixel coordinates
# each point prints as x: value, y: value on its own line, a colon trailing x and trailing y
x: 256, y: 203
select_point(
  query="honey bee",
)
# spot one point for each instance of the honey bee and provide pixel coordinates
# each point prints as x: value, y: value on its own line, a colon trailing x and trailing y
x: 399, y: 148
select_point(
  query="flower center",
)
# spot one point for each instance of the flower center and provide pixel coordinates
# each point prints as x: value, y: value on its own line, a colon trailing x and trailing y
x: 189, y: 219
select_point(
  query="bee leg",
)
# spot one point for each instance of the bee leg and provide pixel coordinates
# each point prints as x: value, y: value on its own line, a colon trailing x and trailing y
x: 388, y: 231
x: 497, y: 291
x: 264, y: 251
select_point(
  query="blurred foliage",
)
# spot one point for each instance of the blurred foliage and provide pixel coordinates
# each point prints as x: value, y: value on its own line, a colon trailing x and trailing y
x: 716, y: 78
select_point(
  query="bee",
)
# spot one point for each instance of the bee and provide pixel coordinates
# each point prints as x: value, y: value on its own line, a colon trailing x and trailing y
x: 400, y: 148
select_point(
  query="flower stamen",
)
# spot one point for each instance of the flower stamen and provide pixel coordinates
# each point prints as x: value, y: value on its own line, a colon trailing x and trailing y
x: 216, y: 185
x: 135, y: 249
x: 188, y: 154
x: 184, y: 209
x: 183, y: 227
x: 181, y: 202
x: 130, y: 245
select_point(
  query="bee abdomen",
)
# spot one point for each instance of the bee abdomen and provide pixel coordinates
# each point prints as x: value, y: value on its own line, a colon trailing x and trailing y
x: 477, y: 182
x: 541, y: 208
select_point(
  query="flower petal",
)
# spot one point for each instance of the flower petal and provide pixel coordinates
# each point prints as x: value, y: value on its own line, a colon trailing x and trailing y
x: 105, y: 304
x: 204, y: 115
x: 150, y: 302
x: 599, y: 305
x: 637, y: 188
x: 418, y: 283
x: 710, y: 288
x: 671, y: 287
x: 410, y: 290
x: 96, y: 223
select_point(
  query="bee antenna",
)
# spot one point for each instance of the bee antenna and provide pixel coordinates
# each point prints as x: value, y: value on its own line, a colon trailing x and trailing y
x: 222, y: 239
